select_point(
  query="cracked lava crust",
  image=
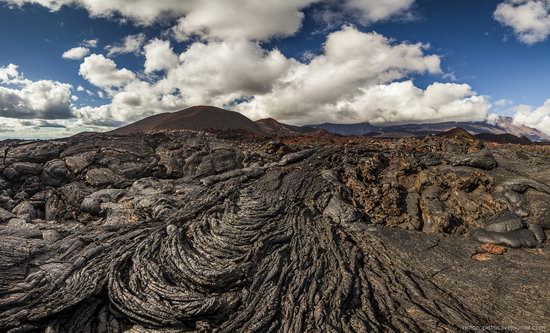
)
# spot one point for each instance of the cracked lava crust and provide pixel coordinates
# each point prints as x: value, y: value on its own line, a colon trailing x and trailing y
x: 195, y: 232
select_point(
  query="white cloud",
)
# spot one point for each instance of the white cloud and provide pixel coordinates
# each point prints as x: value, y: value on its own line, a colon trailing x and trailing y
x: 159, y: 56
x: 503, y: 102
x: 76, y: 53
x: 241, y: 19
x: 82, y: 89
x: 335, y: 13
x: 39, y: 128
x: 403, y: 102
x: 530, y: 19
x: 358, y: 76
x: 141, y: 11
x: 370, y: 11
x: 236, y: 19
x: 9, y: 74
x: 214, y: 73
x: 98, y: 116
x: 220, y: 72
x: 91, y: 43
x: 493, y: 118
x: 227, y: 20
x: 103, y: 72
x: 40, y: 123
x: 352, y: 61
x: 352, y: 81
x: 32, y: 99
x: 137, y: 100
x: 130, y: 44
x: 538, y: 118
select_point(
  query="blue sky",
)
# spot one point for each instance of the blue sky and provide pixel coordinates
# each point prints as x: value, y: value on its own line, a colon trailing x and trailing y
x: 504, y: 61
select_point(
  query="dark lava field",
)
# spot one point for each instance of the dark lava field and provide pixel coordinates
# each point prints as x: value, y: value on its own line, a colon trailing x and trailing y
x: 196, y: 232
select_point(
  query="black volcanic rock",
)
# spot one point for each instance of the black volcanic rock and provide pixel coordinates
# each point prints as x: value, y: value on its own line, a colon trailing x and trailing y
x: 483, y: 159
x: 188, y: 232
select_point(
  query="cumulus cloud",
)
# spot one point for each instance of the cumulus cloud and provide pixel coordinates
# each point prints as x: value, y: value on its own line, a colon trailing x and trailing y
x: 227, y: 20
x: 370, y: 11
x: 40, y: 123
x: 403, y: 102
x: 91, y: 43
x: 5, y: 128
x: 241, y: 19
x: 207, y: 73
x: 159, y: 56
x: 503, y: 102
x: 538, y: 118
x: 40, y: 128
x: 530, y: 19
x: 26, y: 99
x: 220, y: 72
x: 76, y: 53
x: 352, y: 61
x: 9, y: 74
x: 222, y: 19
x: 359, y: 77
x: 41, y: 99
x: 130, y: 44
x: 103, y: 72
x: 250, y: 19
x: 332, y: 14
x: 137, y: 100
x: 82, y: 89
x: 141, y: 11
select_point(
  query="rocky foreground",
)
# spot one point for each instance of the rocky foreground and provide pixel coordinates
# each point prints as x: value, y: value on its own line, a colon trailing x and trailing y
x: 190, y: 232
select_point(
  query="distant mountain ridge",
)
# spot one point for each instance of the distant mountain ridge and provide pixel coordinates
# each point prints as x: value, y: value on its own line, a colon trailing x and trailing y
x: 270, y: 125
x: 204, y: 118
x: 502, y: 125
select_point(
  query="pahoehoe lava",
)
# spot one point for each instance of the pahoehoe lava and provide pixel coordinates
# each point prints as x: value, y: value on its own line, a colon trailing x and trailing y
x: 190, y: 232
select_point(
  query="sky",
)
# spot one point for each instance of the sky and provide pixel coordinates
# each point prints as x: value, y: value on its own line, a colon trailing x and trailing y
x: 68, y: 66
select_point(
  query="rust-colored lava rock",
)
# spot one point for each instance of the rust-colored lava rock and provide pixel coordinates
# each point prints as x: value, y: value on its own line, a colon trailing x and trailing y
x: 483, y: 256
x: 181, y: 231
x: 493, y: 249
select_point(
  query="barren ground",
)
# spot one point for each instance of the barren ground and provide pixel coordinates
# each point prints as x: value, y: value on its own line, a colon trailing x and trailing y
x: 195, y: 232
